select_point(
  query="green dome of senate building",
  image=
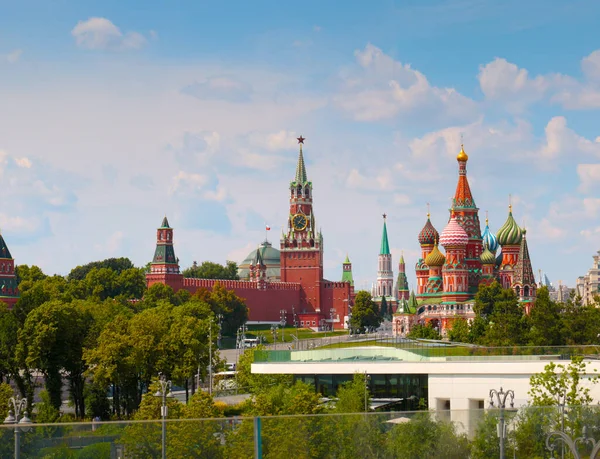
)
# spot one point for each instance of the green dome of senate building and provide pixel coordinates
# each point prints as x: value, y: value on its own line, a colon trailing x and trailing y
x: 271, y: 258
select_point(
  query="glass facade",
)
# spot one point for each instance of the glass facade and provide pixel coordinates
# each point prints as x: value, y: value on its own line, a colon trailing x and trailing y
x: 409, y: 388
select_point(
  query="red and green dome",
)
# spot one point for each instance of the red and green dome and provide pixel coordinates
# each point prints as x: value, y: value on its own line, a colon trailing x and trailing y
x: 428, y: 234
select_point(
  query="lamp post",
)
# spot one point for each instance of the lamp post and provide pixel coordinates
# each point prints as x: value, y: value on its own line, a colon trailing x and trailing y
x: 367, y: 380
x: 562, y: 401
x: 282, y: 321
x: 332, y: 315
x: 295, y: 324
x: 572, y: 443
x: 501, y: 397
x: 274, y: 333
x: 18, y: 406
x: 219, y: 336
x: 164, y: 392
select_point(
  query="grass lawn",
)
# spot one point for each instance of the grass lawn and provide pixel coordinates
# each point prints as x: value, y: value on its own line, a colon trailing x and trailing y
x: 288, y: 332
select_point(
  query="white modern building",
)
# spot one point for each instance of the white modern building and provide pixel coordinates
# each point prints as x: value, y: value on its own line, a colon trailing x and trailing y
x: 459, y: 385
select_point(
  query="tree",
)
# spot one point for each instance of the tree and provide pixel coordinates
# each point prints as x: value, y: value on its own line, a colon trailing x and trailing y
x: 228, y: 304
x: 351, y: 395
x: 210, y: 270
x: 545, y: 321
x: 9, y: 326
x: 254, y: 382
x: 52, y: 341
x: 500, y: 310
x: 424, y: 438
x: 365, y: 313
x: 117, y: 265
x: 547, y: 388
x: 423, y: 332
x: 383, y: 308
x: 460, y: 331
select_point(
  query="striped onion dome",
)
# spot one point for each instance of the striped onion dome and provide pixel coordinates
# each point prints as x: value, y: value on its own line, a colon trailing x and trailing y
x: 487, y: 257
x: 428, y: 234
x: 510, y: 233
x: 489, y: 238
x: 435, y: 257
x: 454, y: 234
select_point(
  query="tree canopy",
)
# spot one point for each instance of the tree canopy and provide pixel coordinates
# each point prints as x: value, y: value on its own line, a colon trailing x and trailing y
x: 365, y: 313
x: 210, y: 270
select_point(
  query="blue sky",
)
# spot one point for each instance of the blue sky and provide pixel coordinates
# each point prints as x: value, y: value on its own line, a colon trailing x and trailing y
x: 115, y: 113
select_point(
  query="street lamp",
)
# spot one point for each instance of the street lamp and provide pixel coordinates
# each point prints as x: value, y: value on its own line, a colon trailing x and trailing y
x: 164, y: 392
x: 18, y: 405
x: 367, y: 381
x: 501, y: 400
x: 219, y: 336
x: 332, y: 315
x: 274, y: 333
x: 282, y: 321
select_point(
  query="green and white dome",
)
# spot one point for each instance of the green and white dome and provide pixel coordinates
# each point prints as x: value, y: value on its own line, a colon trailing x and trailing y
x: 271, y: 258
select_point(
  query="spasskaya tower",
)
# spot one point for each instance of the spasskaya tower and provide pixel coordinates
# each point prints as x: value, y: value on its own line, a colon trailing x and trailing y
x: 302, y: 244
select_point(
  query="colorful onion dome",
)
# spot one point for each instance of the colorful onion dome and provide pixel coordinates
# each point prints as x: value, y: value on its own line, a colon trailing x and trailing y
x: 462, y: 156
x: 487, y: 257
x: 435, y: 257
x: 428, y: 234
x: 510, y: 233
x: 454, y: 234
x: 489, y: 238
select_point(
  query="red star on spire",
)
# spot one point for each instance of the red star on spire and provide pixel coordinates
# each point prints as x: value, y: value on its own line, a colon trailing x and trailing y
x: 384, y: 216
x: 300, y: 139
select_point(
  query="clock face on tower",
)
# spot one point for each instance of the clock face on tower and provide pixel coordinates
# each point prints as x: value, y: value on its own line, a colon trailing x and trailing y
x: 299, y: 222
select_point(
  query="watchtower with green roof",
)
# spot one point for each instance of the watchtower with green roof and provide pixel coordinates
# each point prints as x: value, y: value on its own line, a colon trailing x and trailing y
x: 402, y: 281
x: 164, y: 267
x: 9, y: 287
x: 347, y: 271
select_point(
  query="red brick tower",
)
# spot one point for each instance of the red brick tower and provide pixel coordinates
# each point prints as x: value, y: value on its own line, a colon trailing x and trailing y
x: 302, y: 245
x: 164, y: 268
x: 467, y: 215
x: 9, y: 289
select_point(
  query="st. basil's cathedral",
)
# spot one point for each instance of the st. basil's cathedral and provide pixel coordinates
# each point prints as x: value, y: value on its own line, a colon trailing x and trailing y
x: 447, y: 283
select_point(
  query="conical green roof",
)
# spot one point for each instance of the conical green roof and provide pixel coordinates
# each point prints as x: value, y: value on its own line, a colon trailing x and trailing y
x: 4, y: 252
x: 385, y: 245
x: 301, y: 169
x: 165, y: 223
x: 347, y: 260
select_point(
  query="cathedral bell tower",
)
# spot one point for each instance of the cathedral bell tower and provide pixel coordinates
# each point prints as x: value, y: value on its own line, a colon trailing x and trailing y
x: 302, y: 244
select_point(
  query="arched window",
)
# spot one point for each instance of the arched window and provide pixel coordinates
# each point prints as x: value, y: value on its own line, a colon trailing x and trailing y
x: 307, y: 192
x: 299, y: 191
x: 168, y: 236
x: 526, y: 291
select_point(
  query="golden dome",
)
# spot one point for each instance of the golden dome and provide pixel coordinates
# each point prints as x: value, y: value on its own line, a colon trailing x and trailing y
x: 462, y: 156
x: 435, y: 257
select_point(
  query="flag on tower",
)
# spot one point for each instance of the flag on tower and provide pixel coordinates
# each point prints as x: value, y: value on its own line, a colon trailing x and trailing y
x: 267, y: 227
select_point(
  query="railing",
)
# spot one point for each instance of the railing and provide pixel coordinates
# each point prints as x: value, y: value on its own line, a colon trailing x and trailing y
x: 422, y: 350
x: 529, y: 432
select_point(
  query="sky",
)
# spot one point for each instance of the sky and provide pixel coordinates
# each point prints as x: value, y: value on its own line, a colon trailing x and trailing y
x: 113, y: 114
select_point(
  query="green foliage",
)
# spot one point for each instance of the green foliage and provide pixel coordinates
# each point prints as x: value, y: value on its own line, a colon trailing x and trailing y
x: 365, y: 313
x: 545, y: 321
x: 47, y: 413
x: 460, y: 331
x: 116, y: 265
x: 210, y: 270
x: 228, y: 304
x: 423, y: 332
x: 96, y: 401
x: 96, y: 451
x: 351, y: 395
x: 383, y: 309
x: 254, y: 382
x: 424, y: 438
x: 550, y: 386
x: 9, y: 326
x: 6, y: 392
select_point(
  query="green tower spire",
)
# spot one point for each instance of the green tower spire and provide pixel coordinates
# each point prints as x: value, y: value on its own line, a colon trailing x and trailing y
x: 300, y: 167
x: 385, y: 245
x: 347, y: 271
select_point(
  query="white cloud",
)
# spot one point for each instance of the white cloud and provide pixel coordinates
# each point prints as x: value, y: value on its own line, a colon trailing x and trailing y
x: 502, y: 80
x: 382, y: 181
x: 281, y: 140
x: 402, y: 199
x: 18, y: 224
x: 591, y: 206
x: 23, y: 162
x: 591, y: 234
x: 589, y: 176
x: 101, y: 34
x: 545, y: 229
x: 383, y: 88
x: 14, y: 56
x: 185, y: 182
x: 219, y: 195
x: 512, y: 86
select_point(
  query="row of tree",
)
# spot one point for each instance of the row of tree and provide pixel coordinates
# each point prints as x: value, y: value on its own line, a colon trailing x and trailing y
x: 100, y: 332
